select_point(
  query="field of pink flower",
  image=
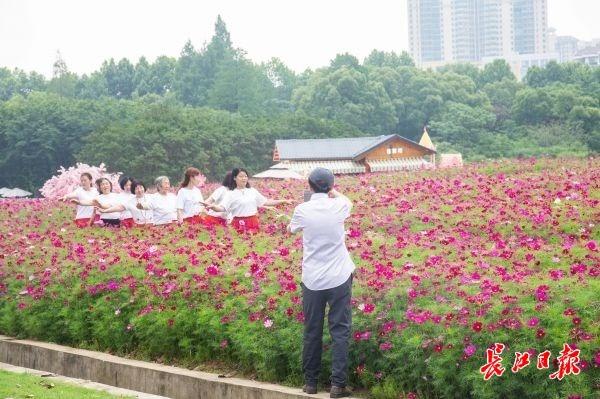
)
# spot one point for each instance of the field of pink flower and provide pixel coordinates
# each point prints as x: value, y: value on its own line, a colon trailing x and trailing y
x: 449, y: 262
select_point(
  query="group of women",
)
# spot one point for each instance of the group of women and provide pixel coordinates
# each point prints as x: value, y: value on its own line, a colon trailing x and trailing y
x: 234, y: 202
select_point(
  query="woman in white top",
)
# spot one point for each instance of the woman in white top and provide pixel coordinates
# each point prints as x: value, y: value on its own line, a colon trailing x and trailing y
x: 106, y: 199
x: 85, y: 192
x: 126, y: 197
x: 189, y: 198
x: 242, y: 203
x: 163, y: 204
x: 218, y: 197
x: 141, y: 217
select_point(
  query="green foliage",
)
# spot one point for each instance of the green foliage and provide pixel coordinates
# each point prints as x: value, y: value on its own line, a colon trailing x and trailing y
x: 178, y: 137
x: 42, y: 131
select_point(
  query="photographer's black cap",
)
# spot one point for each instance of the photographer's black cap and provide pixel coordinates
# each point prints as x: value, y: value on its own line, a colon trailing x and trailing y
x: 322, y: 178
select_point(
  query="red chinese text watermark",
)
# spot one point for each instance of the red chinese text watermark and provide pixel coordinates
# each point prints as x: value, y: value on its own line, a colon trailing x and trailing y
x: 567, y: 362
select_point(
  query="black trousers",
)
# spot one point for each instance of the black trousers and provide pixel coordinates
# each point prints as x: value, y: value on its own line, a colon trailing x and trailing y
x: 112, y: 222
x: 340, y: 321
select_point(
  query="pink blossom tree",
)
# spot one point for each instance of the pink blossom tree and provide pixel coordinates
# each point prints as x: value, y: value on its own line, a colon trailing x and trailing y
x: 67, y: 180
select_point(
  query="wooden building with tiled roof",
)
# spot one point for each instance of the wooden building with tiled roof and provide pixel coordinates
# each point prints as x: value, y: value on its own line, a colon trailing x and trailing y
x: 354, y: 155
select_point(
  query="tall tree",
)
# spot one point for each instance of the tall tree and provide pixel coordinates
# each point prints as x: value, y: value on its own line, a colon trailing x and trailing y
x: 161, y: 75
x: 383, y: 59
x: 119, y: 77
x: 63, y: 81
x: 141, y: 77
x: 495, y: 71
x: 188, y: 79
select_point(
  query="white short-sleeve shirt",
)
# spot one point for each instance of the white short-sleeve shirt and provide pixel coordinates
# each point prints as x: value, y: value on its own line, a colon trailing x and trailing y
x: 164, y: 207
x: 83, y: 211
x: 326, y: 262
x: 243, y: 202
x: 110, y: 200
x: 188, y: 200
x: 126, y: 198
x: 140, y: 216
x: 219, y: 196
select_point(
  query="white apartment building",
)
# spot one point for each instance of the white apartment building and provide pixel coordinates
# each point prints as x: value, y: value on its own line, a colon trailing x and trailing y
x: 478, y: 31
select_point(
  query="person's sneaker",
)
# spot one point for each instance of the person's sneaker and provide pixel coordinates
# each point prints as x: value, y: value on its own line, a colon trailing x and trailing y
x: 310, y: 389
x: 339, y: 392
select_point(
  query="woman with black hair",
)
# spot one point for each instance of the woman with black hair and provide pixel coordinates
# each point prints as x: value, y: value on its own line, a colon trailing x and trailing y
x: 218, y: 196
x: 106, y: 199
x: 189, y: 198
x: 85, y: 192
x: 126, y: 196
x: 242, y: 202
x: 141, y: 217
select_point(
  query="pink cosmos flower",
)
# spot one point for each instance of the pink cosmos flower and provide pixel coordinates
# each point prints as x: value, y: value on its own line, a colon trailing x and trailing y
x: 556, y: 274
x: 385, y: 346
x: 470, y: 350
x: 541, y: 293
x: 212, y: 270
x: 366, y: 308
x: 533, y: 322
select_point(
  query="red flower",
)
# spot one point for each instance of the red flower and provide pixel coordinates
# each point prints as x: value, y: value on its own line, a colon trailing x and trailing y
x: 540, y: 333
x: 477, y: 326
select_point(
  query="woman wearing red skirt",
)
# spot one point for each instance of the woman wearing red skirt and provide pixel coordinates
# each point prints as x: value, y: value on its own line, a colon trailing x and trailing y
x: 189, y: 198
x: 126, y: 196
x: 141, y: 217
x: 85, y: 192
x: 218, y: 197
x: 242, y: 203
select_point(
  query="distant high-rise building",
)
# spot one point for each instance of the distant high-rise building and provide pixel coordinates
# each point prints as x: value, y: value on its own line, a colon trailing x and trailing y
x: 566, y: 47
x: 445, y: 31
x: 589, y: 55
x: 463, y: 27
x: 530, y: 26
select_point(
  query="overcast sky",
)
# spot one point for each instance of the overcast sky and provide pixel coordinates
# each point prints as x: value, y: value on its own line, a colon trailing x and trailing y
x: 304, y: 34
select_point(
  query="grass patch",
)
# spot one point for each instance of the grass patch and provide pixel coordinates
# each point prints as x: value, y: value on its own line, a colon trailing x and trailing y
x: 27, y: 386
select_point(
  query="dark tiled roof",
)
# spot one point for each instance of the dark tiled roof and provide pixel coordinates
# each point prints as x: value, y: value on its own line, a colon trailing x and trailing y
x: 330, y: 149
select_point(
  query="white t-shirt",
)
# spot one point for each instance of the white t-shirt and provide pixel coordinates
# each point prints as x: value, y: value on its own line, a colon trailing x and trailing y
x: 110, y: 200
x: 164, y: 207
x: 219, y: 196
x: 188, y: 200
x: 243, y: 203
x: 85, y: 212
x: 140, y: 216
x: 125, y: 198
x: 326, y: 262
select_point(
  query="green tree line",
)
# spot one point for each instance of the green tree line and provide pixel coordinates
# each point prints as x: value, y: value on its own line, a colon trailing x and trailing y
x: 214, y: 108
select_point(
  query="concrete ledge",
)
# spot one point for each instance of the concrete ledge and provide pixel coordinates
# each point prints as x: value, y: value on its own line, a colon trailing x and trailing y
x: 152, y: 378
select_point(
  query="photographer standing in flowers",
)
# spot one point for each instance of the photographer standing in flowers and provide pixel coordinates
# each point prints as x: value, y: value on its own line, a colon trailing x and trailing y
x: 326, y: 279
